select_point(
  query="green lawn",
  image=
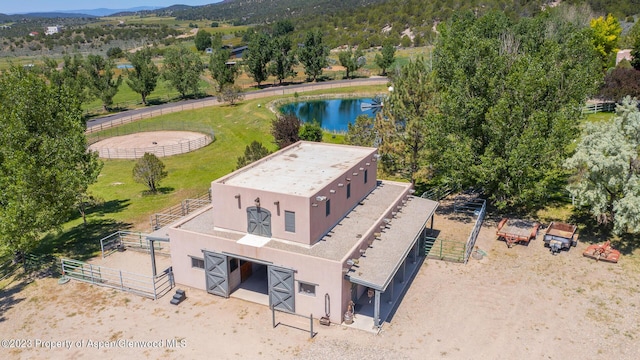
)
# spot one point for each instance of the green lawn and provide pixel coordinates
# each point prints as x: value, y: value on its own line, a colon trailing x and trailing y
x: 126, y: 205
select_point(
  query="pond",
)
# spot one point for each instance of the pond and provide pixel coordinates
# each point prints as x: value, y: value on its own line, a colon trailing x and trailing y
x: 332, y: 115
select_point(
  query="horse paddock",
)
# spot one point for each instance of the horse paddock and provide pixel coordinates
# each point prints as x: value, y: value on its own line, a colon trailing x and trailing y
x: 159, y: 143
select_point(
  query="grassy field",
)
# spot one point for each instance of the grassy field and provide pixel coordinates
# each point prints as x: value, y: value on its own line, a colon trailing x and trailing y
x: 127, y: 205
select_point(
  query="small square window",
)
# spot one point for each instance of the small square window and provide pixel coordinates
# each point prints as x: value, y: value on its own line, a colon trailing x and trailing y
x: 197, y: 263
x: 307, y: 289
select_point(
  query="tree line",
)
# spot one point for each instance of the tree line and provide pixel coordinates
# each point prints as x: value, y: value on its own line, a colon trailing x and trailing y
x: 497, y: 108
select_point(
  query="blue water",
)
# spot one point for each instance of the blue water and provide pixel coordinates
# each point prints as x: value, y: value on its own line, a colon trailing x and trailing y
x: 333, y: 115
x: 125, y: 66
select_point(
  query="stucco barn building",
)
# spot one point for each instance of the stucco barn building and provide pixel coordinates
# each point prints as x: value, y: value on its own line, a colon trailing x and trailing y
x: 305, y: 229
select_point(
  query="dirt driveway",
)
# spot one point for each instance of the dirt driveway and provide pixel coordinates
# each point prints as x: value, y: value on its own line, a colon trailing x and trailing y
x: 519, y: 303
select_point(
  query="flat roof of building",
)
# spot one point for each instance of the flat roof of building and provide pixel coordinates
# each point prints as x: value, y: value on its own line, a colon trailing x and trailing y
x: 342, y: 238
x: 300, y: 169
x: 385, y: 256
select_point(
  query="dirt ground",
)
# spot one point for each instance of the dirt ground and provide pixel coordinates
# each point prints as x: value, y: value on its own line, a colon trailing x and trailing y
x: 518, y: 303
x: 147, y: 139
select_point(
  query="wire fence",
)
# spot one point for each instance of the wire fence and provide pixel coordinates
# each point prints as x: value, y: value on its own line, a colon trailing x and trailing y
x: 285, y: 90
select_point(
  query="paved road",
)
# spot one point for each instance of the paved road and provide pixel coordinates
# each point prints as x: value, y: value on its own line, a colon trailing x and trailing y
x: 147, y: 112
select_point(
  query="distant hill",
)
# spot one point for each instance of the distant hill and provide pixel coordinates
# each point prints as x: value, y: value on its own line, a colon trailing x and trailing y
x: 109, y: 12
x: 76, y: 13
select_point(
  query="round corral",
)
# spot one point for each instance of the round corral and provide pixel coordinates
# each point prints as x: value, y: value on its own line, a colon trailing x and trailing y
x: 159, y: 143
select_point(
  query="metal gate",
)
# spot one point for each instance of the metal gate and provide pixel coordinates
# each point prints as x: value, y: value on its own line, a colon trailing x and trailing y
x: 216, y: 268
x: 258, y: 221
x: 281, y: 289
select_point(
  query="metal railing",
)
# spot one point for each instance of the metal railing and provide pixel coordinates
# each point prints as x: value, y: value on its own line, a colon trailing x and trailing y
x: 152, y: 287
x: 187, y: 206
x: 129, y: 240
x: 471, y: 242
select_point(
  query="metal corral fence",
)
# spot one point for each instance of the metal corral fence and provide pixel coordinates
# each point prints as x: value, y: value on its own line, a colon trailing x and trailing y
x: 159, y: 151
x: 285, y: 90
x: 471, y: 242
x: 122, y: 240
x: 152, y: 287
x: 455, y: 250
x: 444, y: 249
x: 187, y: 206
x: 115, y: 153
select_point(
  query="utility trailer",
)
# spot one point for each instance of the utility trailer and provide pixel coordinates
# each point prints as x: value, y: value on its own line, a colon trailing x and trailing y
x: 560, y: 236
x: 516, y: 231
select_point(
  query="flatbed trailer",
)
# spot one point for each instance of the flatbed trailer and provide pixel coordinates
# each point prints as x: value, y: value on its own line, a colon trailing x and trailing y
x: 516, y: 231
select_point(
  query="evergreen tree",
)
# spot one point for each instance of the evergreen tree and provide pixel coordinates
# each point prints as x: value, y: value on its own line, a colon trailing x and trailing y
x: 406, y: 123
x: 253, y: 152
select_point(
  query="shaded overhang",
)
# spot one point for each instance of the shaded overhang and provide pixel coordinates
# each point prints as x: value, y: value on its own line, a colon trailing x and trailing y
x: 382, y: 260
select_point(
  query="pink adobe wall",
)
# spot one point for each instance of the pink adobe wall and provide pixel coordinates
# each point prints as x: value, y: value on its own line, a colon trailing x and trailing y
x: 227, y: 214
x: 340, y: 205
x: 327, y: 275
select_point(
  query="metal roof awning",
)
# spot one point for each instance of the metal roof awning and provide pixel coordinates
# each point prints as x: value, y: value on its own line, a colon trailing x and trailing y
x: 381, y: 261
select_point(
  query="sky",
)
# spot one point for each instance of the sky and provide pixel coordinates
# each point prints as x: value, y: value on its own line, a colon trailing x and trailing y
x: 17, y: 7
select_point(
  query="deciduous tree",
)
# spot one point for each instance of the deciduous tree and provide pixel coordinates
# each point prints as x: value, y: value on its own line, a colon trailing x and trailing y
x: 44, y: 162
x: 144, y: 76
x: 101, y: 82
x: 231, y: 94
x: 202, y: 40
x: 223, y: 73
x: 606, y: 33
x: 386, y: 58
x: 350, y: 60
x: 149, y: 170
x: 257, y: 57
x: 313, y: 54
x: 511, y: 94
x: 284, y: 59
x: 285, y: 130
x: 311, y: 131
x: 182, y: 68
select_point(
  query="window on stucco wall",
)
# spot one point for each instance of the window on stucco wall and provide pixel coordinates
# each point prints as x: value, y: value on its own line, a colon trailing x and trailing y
x: 289, y: 221
x: 307, y: 289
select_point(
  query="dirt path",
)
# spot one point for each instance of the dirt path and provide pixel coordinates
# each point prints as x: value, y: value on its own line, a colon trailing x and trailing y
x: 519, y: 303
